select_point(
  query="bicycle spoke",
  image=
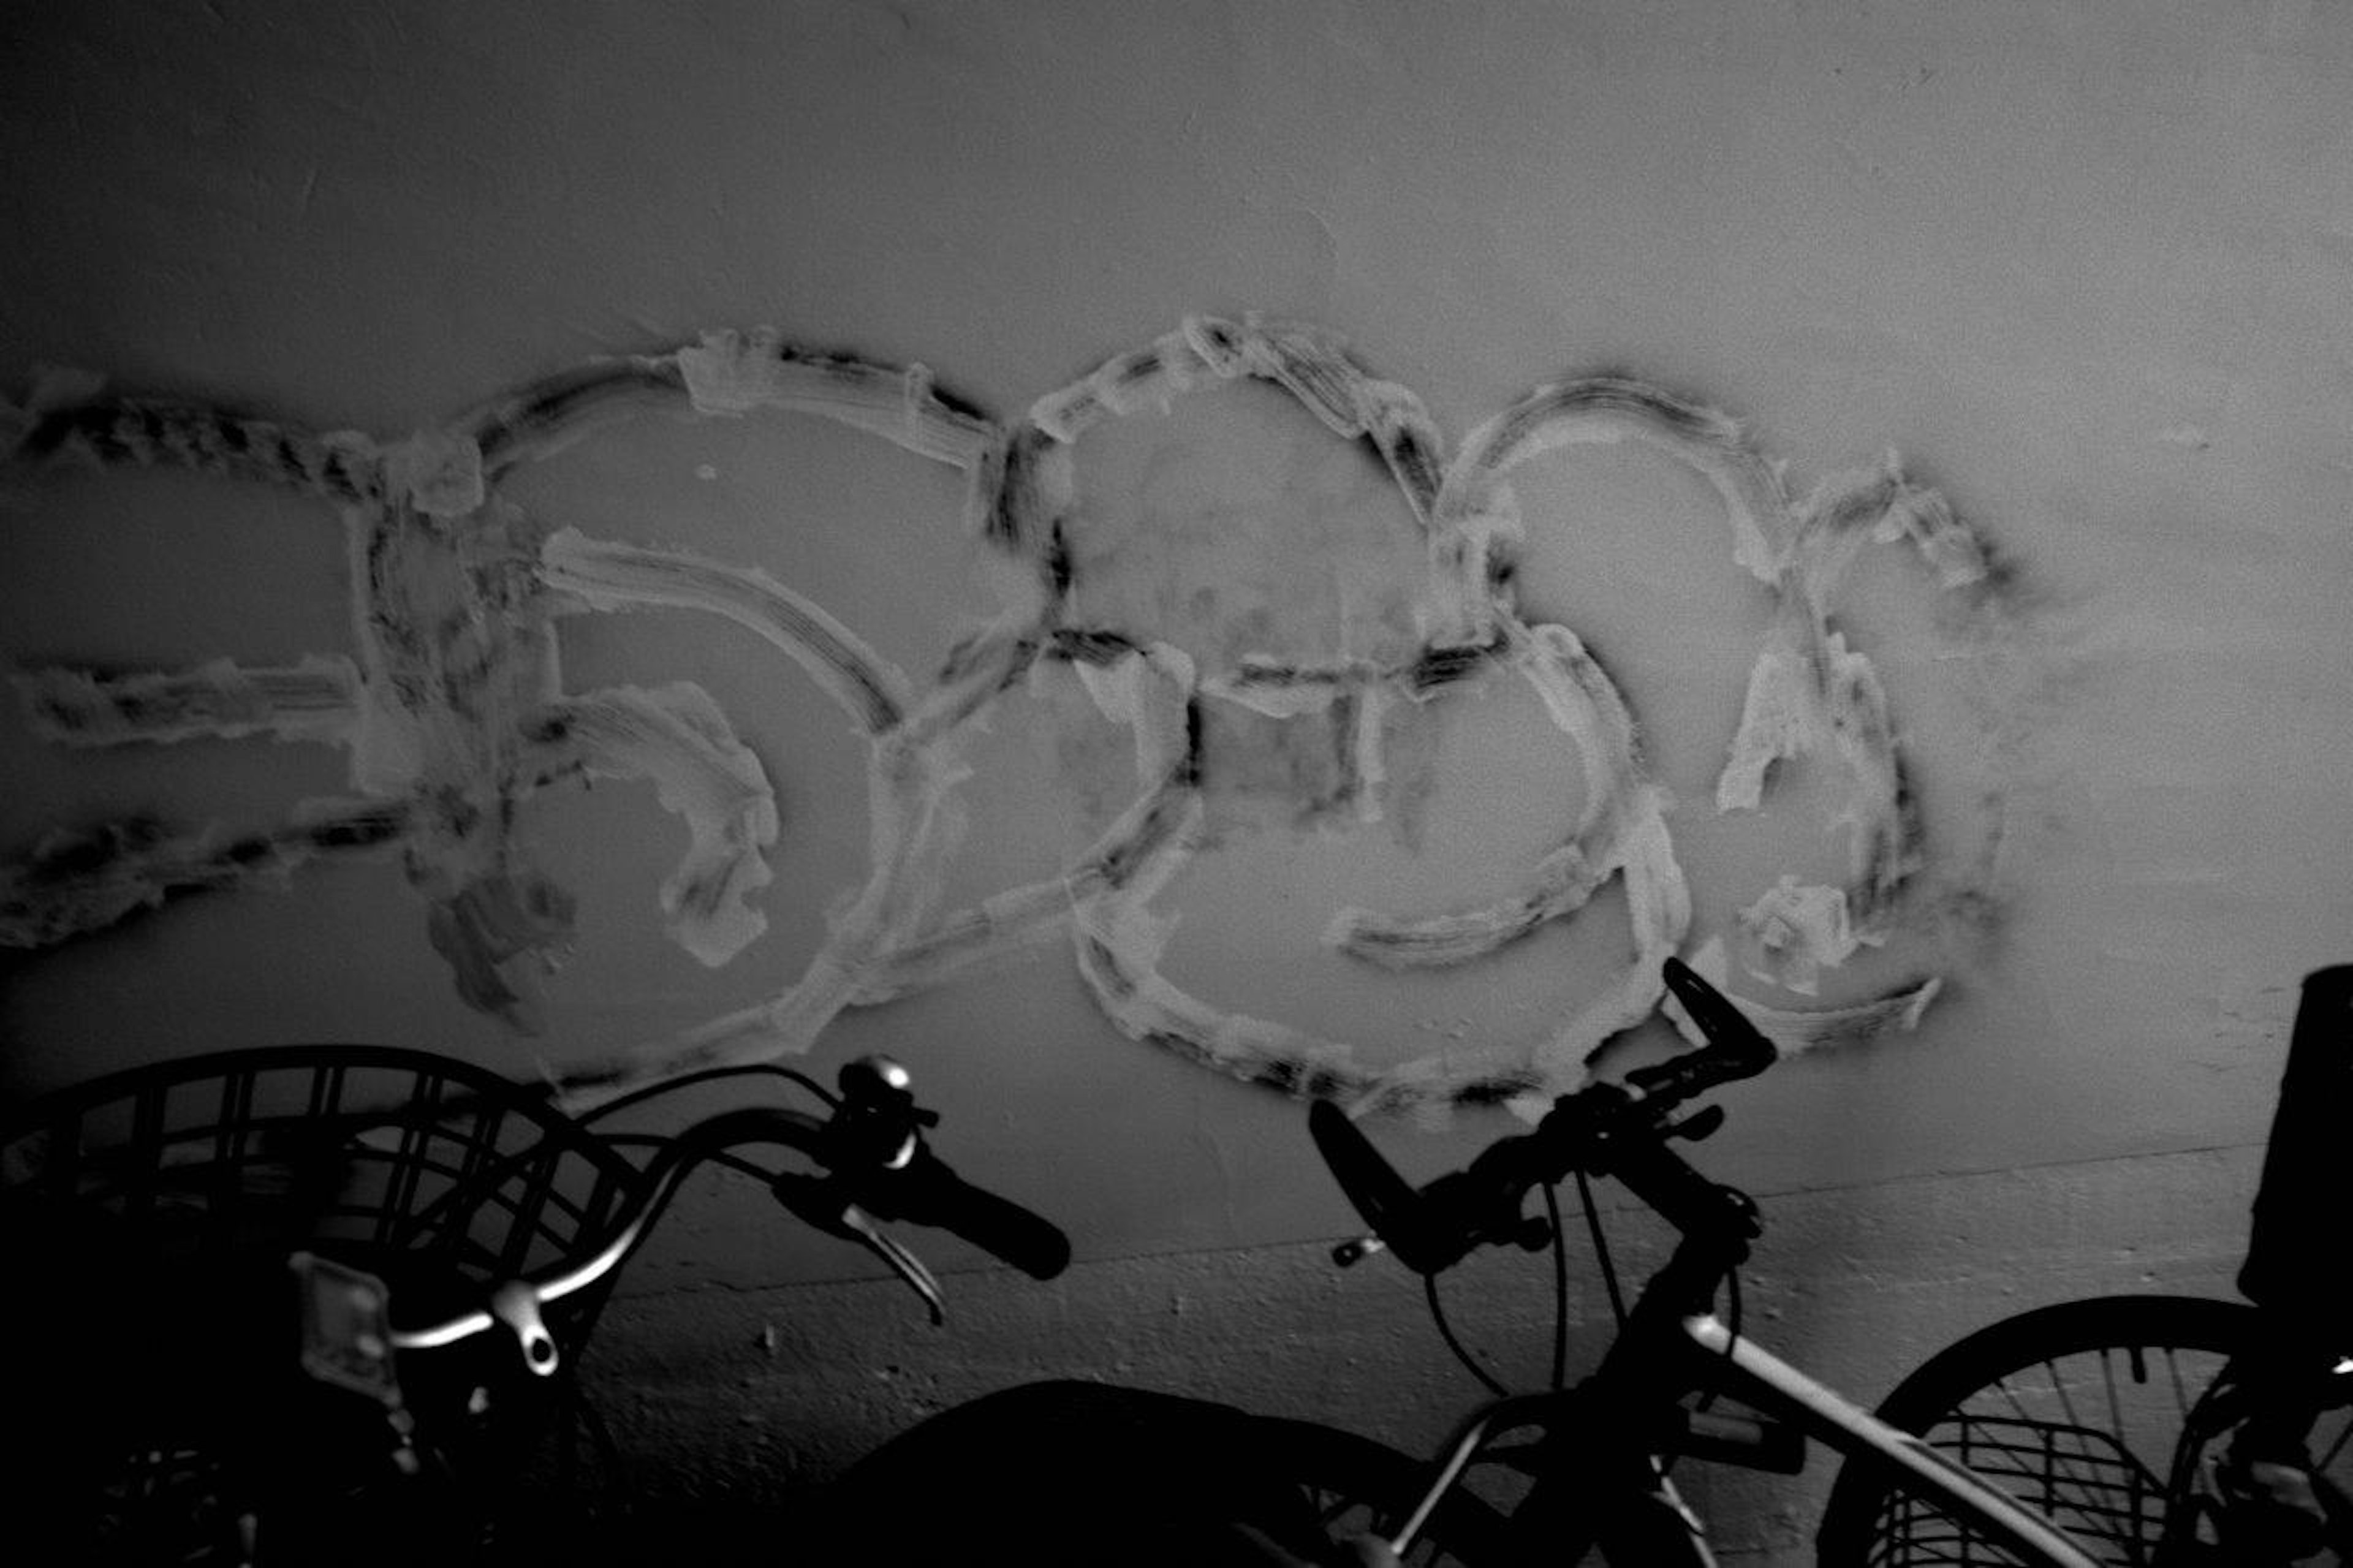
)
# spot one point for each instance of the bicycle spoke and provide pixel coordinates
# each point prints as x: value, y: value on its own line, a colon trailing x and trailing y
x: 2079, y: 1409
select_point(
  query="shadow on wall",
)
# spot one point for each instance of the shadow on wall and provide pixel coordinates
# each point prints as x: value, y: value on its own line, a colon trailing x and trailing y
x: 1249, y: 649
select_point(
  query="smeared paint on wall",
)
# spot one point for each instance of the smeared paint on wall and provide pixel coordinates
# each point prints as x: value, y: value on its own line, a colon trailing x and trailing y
x: 454, y: 710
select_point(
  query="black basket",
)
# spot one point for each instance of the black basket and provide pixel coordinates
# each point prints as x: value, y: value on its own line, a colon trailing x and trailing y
x: 370, y: 1151
x: 147, y: 1217
x: 2082, y: 1479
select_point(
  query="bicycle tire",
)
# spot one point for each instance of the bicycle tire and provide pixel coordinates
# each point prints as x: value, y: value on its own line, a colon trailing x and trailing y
x: 1357, y: 1486
x: 1079, y: 1473
x: 2077, y: 1408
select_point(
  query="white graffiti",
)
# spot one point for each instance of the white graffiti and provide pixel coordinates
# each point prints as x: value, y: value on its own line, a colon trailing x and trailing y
x: 454, y: 710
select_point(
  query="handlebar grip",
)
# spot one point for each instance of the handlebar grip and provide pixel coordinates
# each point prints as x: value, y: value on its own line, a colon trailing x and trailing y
x: 1398, y: 1214
x: 1736, y: 1047
x: 936, y: 1195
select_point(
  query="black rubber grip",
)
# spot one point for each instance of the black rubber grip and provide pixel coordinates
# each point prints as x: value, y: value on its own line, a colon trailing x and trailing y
x: 936, y: 1195
x: 1736, y: 1049
x: 1386, y: 1201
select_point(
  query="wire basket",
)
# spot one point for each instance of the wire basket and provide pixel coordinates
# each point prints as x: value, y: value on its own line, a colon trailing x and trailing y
x: 2083, y: 1479
x: 385, y: 1150
x: 147, y: 1216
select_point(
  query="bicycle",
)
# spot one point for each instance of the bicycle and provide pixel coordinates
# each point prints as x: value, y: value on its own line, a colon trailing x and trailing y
x: 1596, y: 1472
x: 406, y: 1393
x: 2174, y: 1431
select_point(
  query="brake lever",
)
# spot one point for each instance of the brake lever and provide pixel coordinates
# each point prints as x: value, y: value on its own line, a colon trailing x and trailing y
x: 1700, y: 1125
x: 909, y: 1267
x: 818, y: 1204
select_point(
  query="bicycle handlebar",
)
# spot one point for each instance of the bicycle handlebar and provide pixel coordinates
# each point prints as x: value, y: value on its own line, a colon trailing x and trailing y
x: 875, y: 1162
x: 927, y: 1192
x: 1736, y: 1049
x: 875, y: 1148
x: 1598, y: 1128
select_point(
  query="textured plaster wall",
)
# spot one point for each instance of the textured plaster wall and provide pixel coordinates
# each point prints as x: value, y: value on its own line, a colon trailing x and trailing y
x: 2082, y: 268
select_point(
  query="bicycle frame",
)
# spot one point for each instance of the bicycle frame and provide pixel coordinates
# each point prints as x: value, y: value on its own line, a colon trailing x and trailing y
x: 1585, y: 1432
x: 1854, y: 1433
x: 1600, y: 1470
x: 1597, y: 1469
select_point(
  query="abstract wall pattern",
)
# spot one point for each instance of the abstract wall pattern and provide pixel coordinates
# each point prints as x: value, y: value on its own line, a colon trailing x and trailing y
x: 453, y: 711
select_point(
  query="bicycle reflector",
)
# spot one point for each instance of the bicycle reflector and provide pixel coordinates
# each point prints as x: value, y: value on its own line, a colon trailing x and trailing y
x: 346, y: 1339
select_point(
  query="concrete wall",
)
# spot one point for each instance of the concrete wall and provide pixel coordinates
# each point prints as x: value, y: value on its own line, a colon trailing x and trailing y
x: 2081, y: 269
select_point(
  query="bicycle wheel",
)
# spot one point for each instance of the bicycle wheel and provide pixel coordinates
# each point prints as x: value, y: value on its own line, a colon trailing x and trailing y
x: 1357, y: 1486
x: 2079, y: 1409
x: 1067, y: 1474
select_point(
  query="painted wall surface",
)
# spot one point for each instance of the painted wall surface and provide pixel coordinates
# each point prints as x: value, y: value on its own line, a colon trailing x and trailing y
x: 2030, y: 318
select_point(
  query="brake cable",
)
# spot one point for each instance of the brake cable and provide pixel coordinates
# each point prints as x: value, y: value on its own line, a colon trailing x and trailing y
x: 1559, y: 1288
x: 514, y: 1160
x: 726, y: 1157
x: 1446, y: 1332
x: 708, y: 1074
x: 1601, y: 1248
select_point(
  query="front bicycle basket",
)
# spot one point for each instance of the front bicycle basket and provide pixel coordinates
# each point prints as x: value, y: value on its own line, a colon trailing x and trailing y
x: 382, y: 1149
x: 147, y: 1216
x: 2087, y: 1483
